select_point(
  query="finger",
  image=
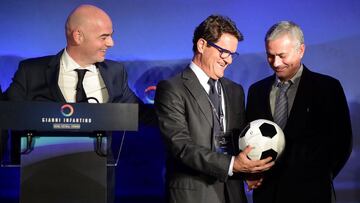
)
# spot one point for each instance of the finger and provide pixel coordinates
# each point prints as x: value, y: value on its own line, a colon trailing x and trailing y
x: 259, y: 182
x: 268, y: 159
x: 247, y: 149
x: 265, y: 167
x: 261, y: 168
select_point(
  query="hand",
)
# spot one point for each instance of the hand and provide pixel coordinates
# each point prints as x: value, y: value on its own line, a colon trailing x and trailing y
x: 254, y: 181
x: 243, y: 164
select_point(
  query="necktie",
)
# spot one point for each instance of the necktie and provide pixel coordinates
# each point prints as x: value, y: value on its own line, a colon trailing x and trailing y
x: 80, y: 92
x: 214, y: 96
x: 281, y: 105
x: 219, y: 138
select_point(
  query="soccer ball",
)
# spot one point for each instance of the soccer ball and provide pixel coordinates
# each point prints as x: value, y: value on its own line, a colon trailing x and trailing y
x: 265, y: 137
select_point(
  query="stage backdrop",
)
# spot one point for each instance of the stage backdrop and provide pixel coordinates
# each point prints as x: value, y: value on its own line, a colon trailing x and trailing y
x: 154, y: 40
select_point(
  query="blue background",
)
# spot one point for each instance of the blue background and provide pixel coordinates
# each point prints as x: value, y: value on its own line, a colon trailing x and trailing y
x: 154, y: 40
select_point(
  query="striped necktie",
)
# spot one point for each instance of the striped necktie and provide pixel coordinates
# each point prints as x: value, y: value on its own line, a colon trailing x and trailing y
x: 281, y: 105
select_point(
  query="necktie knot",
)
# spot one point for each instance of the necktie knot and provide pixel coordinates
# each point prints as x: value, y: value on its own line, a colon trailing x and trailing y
x: 211, y: 82
x: 284, y: 86
x: 80, y: 92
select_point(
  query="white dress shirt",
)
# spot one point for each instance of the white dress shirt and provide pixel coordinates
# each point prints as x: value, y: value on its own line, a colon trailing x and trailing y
x: 93, y: 83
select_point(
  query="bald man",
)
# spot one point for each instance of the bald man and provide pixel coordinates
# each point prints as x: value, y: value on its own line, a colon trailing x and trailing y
x: 54, y: 78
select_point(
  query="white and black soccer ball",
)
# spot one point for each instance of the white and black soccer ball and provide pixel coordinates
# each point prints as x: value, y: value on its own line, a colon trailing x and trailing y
x: 265, y: 137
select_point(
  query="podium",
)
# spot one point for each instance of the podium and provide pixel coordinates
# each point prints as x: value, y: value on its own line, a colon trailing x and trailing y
x: 64, y: 147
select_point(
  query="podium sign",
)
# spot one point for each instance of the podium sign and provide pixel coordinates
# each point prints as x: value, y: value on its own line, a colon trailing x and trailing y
x: 60, y: 145
x: 50, y: 116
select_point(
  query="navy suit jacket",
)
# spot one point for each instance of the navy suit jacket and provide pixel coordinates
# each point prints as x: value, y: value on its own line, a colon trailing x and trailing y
x: 37, y: 80
x: 195, y: 172
x: 318, y: 139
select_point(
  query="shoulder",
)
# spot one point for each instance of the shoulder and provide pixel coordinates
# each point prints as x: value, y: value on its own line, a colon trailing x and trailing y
x: 321, y: 77
x: 112, y: 68
x: 112, y: 63
x: 36, y: 65
x: 170, y: 90
x: 320, y: 80
x: 172, y: 82
x: 37, y: 61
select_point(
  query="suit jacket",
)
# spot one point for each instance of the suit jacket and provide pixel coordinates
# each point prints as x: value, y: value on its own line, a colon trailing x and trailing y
x: 1, y: 94
x: 1, y: 137
x: 318, y: 140
x: 195, y: 172
x: 37, y: 80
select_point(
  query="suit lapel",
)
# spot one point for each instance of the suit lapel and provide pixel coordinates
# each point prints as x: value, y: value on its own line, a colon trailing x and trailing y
x: 103, y: 69
x: 227, y: 91
x: 302, y: 96
x: 52, y: 78
x: 268, y: 85
x: 197, y: 91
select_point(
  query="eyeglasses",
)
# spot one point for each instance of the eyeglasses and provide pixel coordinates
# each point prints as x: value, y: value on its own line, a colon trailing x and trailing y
x: 224, y: 53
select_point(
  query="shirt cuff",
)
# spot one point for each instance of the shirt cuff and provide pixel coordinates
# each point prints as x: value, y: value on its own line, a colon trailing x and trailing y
x: 230, y: 171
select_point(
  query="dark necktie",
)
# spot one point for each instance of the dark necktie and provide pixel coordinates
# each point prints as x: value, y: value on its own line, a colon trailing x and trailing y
x: 281, y: 105
x: 80, y: 92
x: 220, y: 141
x: 214, y: 96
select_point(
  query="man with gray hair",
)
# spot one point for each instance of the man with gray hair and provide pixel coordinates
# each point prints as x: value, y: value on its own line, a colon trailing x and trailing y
x: 312, y: 110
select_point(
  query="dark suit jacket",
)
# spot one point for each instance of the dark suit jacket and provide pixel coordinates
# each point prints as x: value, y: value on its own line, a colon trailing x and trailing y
x: 37, y: 80
x: 1, y: 94
x: 1, y: 137
x: 195, y: 172
x: 318, y: 140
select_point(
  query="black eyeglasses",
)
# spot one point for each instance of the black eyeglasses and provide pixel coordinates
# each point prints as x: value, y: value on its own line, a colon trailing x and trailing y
x: 224, y: 53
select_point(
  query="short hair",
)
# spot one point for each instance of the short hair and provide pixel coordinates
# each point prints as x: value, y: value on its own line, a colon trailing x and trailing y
x: 213, y: 27
x: 285, y: 27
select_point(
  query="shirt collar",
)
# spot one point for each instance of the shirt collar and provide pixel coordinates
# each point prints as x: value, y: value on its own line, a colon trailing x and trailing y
x: 69, y: 64
x: 200, y: 74
x: 295, y: 78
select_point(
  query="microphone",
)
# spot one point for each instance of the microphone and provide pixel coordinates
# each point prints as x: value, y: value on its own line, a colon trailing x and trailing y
x: 92, y: 98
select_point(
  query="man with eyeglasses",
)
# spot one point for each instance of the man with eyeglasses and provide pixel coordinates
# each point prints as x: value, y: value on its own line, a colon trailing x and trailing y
x: 201, y: 114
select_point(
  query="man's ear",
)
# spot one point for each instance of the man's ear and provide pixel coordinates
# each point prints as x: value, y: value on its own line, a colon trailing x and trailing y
x: 78, y: 36
x: 302, y: 50
x: 201, y: 44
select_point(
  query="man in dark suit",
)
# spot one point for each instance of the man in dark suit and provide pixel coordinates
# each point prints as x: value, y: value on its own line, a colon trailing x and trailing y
x: 317, y: 124
x: 201, y: 132
x: 55, y: 78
